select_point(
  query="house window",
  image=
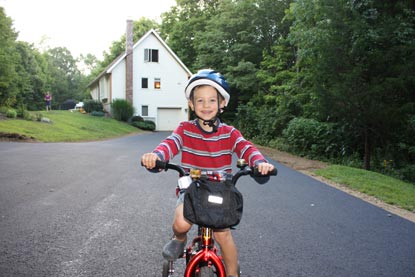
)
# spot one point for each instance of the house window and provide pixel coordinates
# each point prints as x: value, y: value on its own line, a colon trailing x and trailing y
x: 144, y: 82
x: 144, y: 110
x: 151, y: 55
x: 157, y: 83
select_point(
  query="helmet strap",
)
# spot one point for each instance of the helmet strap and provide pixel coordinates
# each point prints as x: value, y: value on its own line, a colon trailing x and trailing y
x: 214, y: 122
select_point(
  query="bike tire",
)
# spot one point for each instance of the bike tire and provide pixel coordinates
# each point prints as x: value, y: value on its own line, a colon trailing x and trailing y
x: 206, y: 271
x: 166, y: 269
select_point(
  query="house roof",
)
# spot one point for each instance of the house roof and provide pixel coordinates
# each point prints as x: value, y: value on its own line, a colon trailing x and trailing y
x: 105, y: 71
x: 121, y: 57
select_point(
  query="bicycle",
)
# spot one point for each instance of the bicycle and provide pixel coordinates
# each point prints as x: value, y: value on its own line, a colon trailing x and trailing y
x: 202, y: 258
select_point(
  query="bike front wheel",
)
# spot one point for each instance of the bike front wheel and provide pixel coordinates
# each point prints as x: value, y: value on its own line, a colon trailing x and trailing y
x: 206, y: 271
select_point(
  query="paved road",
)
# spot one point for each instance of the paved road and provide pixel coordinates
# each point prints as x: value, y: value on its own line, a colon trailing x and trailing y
x: 88, y: 209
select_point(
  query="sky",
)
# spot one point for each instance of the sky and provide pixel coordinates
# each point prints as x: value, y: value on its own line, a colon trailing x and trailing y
x: 82, y: 26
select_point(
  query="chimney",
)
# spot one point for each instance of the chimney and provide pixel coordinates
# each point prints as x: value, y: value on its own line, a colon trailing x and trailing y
x: 129, y: 62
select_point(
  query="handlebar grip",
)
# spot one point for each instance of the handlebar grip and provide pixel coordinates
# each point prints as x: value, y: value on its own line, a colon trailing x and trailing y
x: 161, y: 165
x: 256, y: 173
x: 274, y: 172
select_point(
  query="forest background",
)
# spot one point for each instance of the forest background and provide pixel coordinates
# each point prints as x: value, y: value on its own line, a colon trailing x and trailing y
x: 327, y: 79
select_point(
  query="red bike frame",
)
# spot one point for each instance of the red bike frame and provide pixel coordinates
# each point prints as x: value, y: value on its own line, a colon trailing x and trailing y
x: 208, y: 254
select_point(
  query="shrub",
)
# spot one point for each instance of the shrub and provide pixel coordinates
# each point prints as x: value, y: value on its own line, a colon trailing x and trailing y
x: 3, y: 109
x: 96, y: 113
x: 408, y: 173
x: 136, y: 118
x: 11, y: 113
x: 22, y: 112
x: 121, y: 110
x: 38, y: 116
x: 310, y: 137
x: 27, y: 115
x: 144, y: 125
x: 92, y: 105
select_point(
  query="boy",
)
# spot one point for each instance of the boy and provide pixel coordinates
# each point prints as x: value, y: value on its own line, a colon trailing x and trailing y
x: 207, y: 144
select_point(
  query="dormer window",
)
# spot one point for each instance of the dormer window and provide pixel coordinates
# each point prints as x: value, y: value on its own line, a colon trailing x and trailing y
x: 151, y: 55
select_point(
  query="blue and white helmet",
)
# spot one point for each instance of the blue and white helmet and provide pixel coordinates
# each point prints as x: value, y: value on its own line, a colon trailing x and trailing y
x: 209, y: 77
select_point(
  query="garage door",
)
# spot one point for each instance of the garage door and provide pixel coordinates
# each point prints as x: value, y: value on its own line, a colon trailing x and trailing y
x: 168, y: 118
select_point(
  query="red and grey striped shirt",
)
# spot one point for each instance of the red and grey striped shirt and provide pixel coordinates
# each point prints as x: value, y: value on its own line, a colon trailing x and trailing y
x: 208, y: 151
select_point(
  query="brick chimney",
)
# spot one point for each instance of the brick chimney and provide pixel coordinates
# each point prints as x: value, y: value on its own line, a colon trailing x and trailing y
x: 129, y: 62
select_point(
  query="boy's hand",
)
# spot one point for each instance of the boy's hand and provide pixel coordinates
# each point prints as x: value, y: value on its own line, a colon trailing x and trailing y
x: 148, y: 160
x: 265, y: 168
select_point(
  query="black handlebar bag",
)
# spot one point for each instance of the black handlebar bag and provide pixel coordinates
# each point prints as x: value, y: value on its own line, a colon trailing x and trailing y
x: 217, y: 205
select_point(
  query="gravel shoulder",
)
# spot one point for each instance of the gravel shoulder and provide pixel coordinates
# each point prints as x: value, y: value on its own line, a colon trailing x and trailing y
x: 307, y: 167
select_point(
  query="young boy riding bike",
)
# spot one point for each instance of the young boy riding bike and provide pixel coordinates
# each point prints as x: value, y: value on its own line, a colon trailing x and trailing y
x: 207, y: 144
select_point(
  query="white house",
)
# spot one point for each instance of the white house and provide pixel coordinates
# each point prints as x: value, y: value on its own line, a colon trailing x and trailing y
x: 150, y: 76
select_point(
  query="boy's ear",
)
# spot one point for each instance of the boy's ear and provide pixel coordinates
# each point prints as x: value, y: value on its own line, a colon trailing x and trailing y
x: 190, y: 103
x: 222, y: 104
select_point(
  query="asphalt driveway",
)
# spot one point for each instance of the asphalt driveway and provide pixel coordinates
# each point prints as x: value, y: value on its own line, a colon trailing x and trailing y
x: 89, y: 209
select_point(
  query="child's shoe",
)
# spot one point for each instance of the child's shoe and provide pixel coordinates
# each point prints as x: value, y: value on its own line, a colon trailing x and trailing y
x: 174, y: 249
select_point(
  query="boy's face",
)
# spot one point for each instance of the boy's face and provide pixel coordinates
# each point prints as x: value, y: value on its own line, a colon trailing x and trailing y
x: 205, y: 102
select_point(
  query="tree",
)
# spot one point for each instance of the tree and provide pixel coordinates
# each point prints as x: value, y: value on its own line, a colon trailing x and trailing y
x: 183, y: 23
x: 65, y: 80
x: 8, y: 61
x: 32, y: 77
x: 359, y: 55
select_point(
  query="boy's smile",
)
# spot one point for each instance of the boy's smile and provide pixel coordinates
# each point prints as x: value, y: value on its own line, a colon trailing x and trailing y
x: 205, y: 102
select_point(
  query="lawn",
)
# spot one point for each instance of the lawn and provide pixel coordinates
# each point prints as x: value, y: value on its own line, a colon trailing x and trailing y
x: 67, y: 126
x: 385, y: 188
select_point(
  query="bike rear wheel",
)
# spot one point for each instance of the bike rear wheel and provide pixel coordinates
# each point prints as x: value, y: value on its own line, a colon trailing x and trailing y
x: 167, y: 269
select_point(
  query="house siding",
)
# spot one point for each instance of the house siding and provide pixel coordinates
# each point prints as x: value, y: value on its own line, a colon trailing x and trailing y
x: 118, y: 81
x: 173, y: 80
x: 173, y: 74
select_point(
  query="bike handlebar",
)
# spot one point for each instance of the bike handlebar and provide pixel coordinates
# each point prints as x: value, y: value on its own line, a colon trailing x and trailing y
x: 166, y: 166
x: 244, y: 170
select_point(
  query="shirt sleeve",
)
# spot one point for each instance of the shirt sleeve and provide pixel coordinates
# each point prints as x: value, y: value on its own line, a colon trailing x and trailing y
x: 170, y: 146
x: 246, y: 150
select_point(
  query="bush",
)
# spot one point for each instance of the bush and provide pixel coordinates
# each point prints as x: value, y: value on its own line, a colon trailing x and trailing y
x: 309, y: 137
x: 11, y: 113
x: 3, y: 109
x: 408, y: 173
x: 136, y: 118
x: 22, y: 112
x: 96, y: 113
x: 38, y: 116
x: 121, y: 110
x: 92, y: 105
x: 144, y: 125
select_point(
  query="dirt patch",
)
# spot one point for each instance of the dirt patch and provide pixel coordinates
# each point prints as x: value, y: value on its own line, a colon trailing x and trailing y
x: 15, y: 137
x: 307, y: 167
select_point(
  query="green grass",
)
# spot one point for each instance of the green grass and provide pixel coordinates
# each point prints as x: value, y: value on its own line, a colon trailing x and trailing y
x: 385, y: 188
x: 68, y: 127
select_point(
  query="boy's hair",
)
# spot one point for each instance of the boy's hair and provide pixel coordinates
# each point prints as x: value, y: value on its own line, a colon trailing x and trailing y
x: 194, y: 89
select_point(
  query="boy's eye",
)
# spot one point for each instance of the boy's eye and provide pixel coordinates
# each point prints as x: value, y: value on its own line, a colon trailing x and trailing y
x: 213, y: 100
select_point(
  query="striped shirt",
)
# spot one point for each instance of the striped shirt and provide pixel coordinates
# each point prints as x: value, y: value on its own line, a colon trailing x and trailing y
x: 207, y: 151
